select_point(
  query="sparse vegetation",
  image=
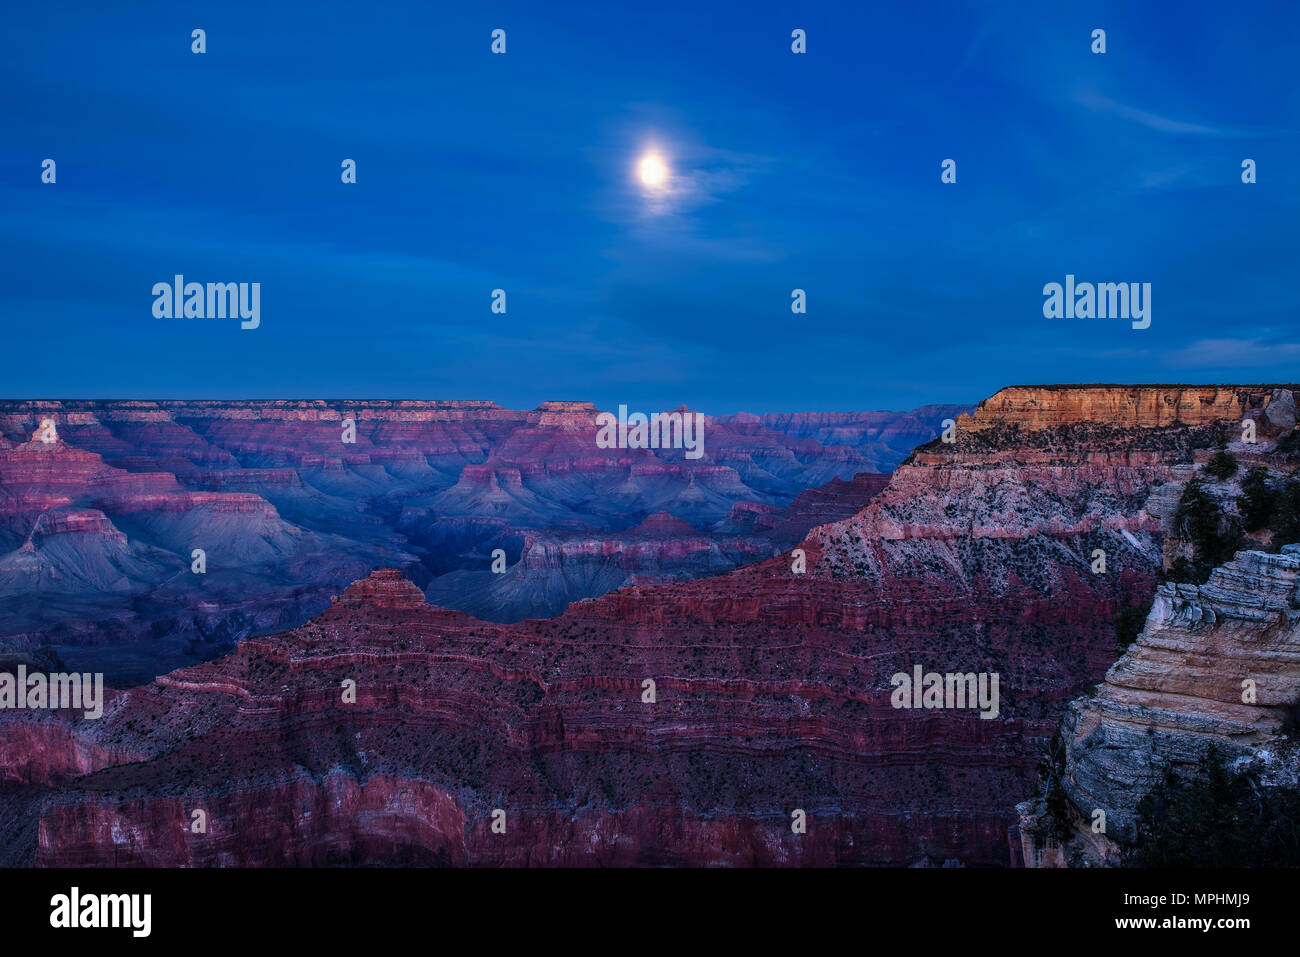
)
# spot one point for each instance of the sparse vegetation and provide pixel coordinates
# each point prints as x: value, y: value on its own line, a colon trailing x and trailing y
x: 1128, y: 625
x: 1222, y: 465
x: 1285, y: 521
x: 1184, y: 570
x: 1267, y: 506
x: 1213, y: 534
x: 1051, y: 768
x: 1217, y: 818
x: 1257, y: 500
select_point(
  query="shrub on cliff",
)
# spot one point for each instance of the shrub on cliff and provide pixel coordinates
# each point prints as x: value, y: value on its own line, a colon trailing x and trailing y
x: 1051, y: 768
x: 1285, y: 522
x: 1214, y: 536
x: 1218, y: 818
x: 1184, y: 570
x: 1198, y: 515
x: 1257, y: 501
x: 1128, y: 625
x: 1222, y: 465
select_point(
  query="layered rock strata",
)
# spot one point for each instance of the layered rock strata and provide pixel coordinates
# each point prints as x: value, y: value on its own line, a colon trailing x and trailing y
x: 288, y: 509
x: 1217, y: 665
x: 774, y: 689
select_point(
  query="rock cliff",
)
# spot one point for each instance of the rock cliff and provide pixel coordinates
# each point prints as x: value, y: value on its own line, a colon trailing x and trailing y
x: 1217, y: 665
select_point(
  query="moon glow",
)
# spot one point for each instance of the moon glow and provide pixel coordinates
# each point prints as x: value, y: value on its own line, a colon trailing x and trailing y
x: 652, y: 170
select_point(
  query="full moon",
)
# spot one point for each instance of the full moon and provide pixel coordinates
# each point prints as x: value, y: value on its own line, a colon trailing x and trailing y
x: 652, y: 170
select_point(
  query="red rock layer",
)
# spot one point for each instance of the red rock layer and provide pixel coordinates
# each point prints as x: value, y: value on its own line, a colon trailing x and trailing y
x: 772, y: 694
x: 1128, y: 407
x: 288, y: 513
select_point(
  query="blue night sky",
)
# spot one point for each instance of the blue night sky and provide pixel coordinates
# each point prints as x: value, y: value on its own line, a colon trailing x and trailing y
x: 477, y: 171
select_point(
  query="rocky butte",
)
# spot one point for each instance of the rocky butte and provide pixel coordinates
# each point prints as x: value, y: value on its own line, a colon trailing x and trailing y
x: 771, y: 688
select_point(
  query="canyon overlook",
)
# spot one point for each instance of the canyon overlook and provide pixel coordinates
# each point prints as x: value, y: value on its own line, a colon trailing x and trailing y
x: 771, y: 687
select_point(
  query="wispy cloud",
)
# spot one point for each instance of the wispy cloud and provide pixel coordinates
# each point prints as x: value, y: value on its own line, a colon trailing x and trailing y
x: 1185, y: 174
x: 692, y: 189
x: 673, y: 216
x: 1154, y: 121
x: 1234, y: 353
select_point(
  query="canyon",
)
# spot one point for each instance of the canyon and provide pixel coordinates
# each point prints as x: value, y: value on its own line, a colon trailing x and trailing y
x: 672, y: 722
x: 99, y: 525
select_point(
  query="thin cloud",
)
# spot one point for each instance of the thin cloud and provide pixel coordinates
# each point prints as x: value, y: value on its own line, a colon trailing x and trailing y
x: 672, y: 216
x: 693, y: 189
x: 1224, y: 353
x: 1154, y: 121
